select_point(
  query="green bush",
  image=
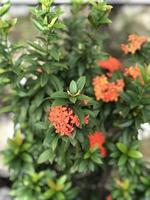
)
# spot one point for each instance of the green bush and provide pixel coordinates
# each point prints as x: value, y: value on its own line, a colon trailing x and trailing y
x: 77, y: 109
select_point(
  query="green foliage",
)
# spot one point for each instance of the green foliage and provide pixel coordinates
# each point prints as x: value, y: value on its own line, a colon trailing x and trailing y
x: 56, y: 70
x: 43, y: 185
x: 99, y: 13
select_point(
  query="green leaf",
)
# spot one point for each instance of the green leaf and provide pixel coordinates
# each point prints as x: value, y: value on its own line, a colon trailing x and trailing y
x: 122, y: 160
x: 54, y: 143
x: 81, y: 83
x: 82, y: 97
x: 38, y: 25
x: 87, y: 155
x: 135, y: 145
x: 26, y: 157
x: 4, y: 9
x: 96, y: 158
x: 43, y: 79
x: 59, y: 26
x: 59, y: 94
x: 73, y: 99
x: 143, y: 72
x: 39, y: 98
x: 125, y: 97
x: 56, y: 82
x: 49, y: 193
x: 6, y: 109
x: 37, y: 48
x: 135, y: 154
x: 114, y: 154
x: 45, y: 156
x: 62, y: 179
x: 55, y: 54
x: 52, y: 22
x: 60, y: 196
x: 91, y: 167
x: 41, y: 125
x: 4, y: 80
x: 144, y: 180
x: 125, y: 124
x: 73, y: 87
x: 82, y: 166
x: 122, y: 147
x: 59, y: 102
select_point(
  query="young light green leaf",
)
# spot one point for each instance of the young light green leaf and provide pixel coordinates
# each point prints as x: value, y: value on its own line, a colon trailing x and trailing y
x: 122, y: 147
x: 4, y: 9
x: 52, y: 22
x: 135, y: 154
x: 73, y: 87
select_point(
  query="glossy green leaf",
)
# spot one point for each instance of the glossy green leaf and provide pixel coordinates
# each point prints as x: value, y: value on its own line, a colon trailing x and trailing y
x: 59, y: 94
x: 122, y: 160
x: 73, y: 87
x: 45, y: 156
x: 135, y: 154
x: 4, y: 9
x: 122, y: 147
x: 81, y: 83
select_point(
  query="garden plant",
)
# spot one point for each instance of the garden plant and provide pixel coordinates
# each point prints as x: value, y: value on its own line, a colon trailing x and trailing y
x: 76, y: 108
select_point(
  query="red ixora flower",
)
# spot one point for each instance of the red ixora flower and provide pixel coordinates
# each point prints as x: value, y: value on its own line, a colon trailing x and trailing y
x: 134, y: 72
x: 105, y: 90
x: 98, y: 138
x: 135, y: 43
x: 64, y: 120
x: 112, y: 64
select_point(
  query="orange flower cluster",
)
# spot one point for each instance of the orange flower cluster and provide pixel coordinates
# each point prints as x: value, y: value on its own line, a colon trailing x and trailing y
x: 112, y: 64
x: 134, y: 72
x: 134, y: 43
x: 107, y: 91
x: 64, y: 120
x: 98, y: 138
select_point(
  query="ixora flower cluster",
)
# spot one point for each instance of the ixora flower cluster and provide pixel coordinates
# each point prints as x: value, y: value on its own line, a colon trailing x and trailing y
x: 78, y: 114
x: 134, y: 43
x: 105, y: 90
x: 64, y: 120
x: 109, y: 91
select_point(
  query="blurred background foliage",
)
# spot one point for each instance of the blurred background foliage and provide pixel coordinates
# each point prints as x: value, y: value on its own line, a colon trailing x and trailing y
x: 126, y: 19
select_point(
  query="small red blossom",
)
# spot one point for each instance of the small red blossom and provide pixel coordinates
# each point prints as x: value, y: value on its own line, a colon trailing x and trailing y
x: 105, y: 90
x: 98, y: 138
x: 64, y: 120
x: 135, y: 43
x: 112, y: 64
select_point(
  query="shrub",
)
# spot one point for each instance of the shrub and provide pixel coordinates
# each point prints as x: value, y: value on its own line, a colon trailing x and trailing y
x: 77, y: 109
